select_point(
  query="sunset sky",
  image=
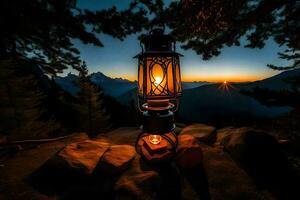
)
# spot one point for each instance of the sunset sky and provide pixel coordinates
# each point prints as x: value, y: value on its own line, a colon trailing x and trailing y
x: 236, y: 64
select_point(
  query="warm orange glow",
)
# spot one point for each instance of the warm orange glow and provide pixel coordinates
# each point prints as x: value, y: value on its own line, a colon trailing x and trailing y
x: 140, y: 77
x: 225, y: 82
x: 154, y: 139
x: 220, y: 78
x: 213, y: 79
x: 160, y: 80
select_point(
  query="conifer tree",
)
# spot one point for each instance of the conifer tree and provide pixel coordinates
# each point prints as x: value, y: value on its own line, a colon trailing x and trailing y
x: 92, y: 114
x: 23, y: 114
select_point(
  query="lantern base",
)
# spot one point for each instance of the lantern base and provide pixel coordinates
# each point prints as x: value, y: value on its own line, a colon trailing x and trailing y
x: 157, y: 153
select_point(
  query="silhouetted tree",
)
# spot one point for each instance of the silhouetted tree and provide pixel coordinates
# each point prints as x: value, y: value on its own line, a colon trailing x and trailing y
x: 208, y: 26
x: 43, y: 31
x: 23, y: 113
x: 92, y: 114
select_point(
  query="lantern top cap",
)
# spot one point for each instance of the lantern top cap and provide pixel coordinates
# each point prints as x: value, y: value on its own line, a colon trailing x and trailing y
x: 156, y: 40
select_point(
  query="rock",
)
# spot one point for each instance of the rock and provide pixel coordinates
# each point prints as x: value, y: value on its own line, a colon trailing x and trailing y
x: 226, y: 179
x: 260, y: 155
x: 146, y: 182
x: 224, y: 134
x: 136, y: 186
x: 83, y: 155
x: 202, y: 132
x: 116, y: 159
x: 188, y: 152
x: 71, y: 166
x: 123, y: 135
x: 139, y: 182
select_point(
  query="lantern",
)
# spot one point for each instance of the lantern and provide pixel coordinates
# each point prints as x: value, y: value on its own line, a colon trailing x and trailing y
x: 159, y: 86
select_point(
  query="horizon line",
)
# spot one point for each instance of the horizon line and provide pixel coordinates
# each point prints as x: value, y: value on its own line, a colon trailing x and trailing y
x: 213, y: 80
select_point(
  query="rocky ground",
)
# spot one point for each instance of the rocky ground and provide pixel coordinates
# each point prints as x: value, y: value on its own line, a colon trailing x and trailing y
x: 229, y: 163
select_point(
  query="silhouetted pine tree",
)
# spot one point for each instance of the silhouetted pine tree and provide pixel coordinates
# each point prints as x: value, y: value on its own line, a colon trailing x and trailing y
x: 92, y: 114
x: 61, y: 104
x: 23, y: 114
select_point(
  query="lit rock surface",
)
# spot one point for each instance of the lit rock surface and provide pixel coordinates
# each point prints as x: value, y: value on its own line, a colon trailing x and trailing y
x: 202, y: 132
x: 189, y: 152
x: 117, y: 158
x: 83, y: 155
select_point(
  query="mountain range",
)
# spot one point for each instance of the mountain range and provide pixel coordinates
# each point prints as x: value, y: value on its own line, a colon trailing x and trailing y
x: 211, y: 102
x: 114, y: 87
x: 201, y: 101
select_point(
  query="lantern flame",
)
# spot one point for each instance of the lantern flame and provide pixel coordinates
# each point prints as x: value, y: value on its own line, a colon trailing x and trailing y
x: 157, y: 80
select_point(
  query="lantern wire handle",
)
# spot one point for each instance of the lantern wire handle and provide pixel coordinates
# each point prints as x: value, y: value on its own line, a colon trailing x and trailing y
x: 142, y: 47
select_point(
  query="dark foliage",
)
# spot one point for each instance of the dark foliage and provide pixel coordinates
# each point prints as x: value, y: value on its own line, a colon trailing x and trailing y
x: 37, y: 38
x: 208, y: 26
x: 92, y: 116
x: 43, y: 31
x: 23, y: 91
x: 121, y: 115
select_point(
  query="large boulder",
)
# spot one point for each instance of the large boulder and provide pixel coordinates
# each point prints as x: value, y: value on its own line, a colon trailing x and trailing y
x: 83, y: 156
x: 202, y: 132
x: 116, y: 159
x: 261, y: 156
x: 226, y: 179
x: 72, y: 165
x: 188, y: 152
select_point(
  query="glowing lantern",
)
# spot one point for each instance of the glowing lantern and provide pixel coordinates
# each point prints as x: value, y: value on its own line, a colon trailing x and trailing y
x: 159, y: 86
x: 159, y: 69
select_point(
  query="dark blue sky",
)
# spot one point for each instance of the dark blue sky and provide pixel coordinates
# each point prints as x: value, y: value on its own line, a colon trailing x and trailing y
x: 234, y: 63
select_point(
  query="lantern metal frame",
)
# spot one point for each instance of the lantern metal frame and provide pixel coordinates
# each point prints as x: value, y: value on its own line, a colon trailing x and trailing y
x: 158, y: 48
x: 164, y: 60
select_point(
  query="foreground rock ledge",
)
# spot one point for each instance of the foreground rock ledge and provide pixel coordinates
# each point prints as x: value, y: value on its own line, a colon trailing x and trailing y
x: 202, y: 132
x: 201, y: 172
